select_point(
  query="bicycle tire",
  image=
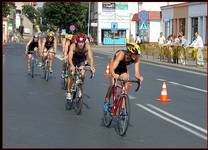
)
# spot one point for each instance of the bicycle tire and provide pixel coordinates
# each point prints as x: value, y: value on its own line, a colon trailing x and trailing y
x: 123, y: 116
x: 78, y: 101
x: 32, y: 67
x: 47, y: 71
x: 107, y: 117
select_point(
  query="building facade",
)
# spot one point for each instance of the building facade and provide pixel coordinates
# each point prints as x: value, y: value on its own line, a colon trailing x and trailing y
x: 106, y: 16
x: 187, y: 18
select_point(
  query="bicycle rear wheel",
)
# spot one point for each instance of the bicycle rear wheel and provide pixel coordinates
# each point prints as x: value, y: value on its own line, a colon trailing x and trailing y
x: 78, y: 101
x: 32, y: 67
x: 123, y: 115
x: 47, y: 71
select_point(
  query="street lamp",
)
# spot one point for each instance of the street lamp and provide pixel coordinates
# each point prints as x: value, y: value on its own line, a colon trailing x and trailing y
x: 88, y: 29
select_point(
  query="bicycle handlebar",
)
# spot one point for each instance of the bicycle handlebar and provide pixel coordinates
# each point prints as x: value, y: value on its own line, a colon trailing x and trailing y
x: 87, y: 69
x: 133, y: 81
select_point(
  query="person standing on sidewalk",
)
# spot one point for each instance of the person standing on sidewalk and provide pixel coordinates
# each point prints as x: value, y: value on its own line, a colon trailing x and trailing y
x: 183, y: 44
x: 198, y: 44
x: 161, y: 42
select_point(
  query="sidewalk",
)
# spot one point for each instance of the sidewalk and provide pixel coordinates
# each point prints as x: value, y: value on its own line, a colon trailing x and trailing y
x: 191, y: 66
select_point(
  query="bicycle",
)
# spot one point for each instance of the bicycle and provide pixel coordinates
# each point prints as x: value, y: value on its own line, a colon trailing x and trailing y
x: 119, y: 108
x: 46, y: 67
x: 77, y: 91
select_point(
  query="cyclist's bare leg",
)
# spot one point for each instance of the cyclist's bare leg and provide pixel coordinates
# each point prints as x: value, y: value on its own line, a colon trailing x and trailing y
x: 29, y: 58
x: 51, y: 58
x: 44, y: 56
x: 110, y: 89
x: 83, y: 72
x: 36, y: 54
x: 125, y: 76
x: 70, y: 82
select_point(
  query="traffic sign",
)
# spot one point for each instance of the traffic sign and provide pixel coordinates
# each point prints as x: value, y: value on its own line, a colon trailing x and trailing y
x: 72, y: 28
x: 143, y: 15
x: 114, y: 26
x: 143, y: 25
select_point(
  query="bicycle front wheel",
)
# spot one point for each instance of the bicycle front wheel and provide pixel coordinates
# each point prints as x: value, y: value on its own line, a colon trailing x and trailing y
x: 123, y: 115
x: 78, y: 102
x: 46, y: 71
x: 32, y: 67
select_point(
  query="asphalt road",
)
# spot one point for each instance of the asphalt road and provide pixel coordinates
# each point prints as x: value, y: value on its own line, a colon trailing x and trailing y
x: 34, y: 114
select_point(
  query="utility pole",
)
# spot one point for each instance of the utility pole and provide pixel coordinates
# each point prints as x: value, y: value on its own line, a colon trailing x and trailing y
x: 88, y: 29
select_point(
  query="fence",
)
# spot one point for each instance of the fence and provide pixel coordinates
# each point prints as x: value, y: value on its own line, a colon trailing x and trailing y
x: 171, y: 53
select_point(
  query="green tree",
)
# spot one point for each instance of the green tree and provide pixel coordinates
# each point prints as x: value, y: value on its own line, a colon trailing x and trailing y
x: 62, y: 15
x: 30, y: 12
x: 6, y: 8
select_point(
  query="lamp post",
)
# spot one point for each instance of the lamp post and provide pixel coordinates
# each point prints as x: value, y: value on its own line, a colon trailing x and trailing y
x: 88, y: 29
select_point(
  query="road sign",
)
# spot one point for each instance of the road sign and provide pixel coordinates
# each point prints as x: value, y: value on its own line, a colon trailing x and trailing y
x: 72, y: 28
x: 143, y: 15
x: 114, y: 26
x: 143, y: 25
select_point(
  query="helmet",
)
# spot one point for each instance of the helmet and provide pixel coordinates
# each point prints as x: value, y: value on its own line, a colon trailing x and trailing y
x: 68, y: 36
x: 36, y: 35
x: 50, y: 34
x: 133, y: 48
x: 81, y: 38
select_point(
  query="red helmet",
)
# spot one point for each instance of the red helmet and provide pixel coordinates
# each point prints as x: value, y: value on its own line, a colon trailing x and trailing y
x: 81, y: 38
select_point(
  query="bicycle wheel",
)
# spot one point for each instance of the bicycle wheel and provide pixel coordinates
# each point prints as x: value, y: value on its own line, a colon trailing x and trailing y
x: 107, y: 117
x: 46, y: 71
x: 78, y: 101
x: 123, y: 115
x: 32, y: 67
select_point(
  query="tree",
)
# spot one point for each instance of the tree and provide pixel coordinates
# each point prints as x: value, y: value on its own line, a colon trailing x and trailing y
x: 30, y: 12
x: 6, y: 8
x: 62, y: 15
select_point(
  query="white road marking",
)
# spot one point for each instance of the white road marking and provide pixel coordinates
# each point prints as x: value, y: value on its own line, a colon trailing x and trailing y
x: 173, y: 122
x: 186, y: 86
x: 177, y: 118
x: 98, y: 57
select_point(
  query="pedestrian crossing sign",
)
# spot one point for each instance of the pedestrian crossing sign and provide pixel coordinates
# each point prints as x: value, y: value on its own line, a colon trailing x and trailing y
x: 143, y: 25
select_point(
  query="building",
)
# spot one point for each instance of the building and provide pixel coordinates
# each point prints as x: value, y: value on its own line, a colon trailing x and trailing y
x: 186, y: 17
x: 154, y: 21
x: 106, y: 16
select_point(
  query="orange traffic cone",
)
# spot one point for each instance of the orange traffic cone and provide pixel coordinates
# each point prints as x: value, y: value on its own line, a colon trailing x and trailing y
x: 107, y: 71
x: 164, y: 96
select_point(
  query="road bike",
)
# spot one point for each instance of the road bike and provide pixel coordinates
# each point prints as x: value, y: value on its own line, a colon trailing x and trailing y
x: 77, y: 91
x: 66, y: 74
x: 119, y: 107
x: 32, y: 65
x: 46, y: 70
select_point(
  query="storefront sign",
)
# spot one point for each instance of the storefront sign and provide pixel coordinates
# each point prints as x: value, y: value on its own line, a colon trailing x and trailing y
x: 121, y: 5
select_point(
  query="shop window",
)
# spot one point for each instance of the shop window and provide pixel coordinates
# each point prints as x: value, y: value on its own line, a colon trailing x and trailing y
x: 194, y: 27
x: 182, y: 24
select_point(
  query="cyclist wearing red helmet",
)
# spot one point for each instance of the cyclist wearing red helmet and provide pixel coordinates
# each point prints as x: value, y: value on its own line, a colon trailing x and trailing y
x: 79, y: 51
x: 33, y: 45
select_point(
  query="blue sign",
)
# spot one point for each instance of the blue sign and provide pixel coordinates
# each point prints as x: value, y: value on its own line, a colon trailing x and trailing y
x: 143, y: 25
x: 114, y: 26
x: 143, y: 16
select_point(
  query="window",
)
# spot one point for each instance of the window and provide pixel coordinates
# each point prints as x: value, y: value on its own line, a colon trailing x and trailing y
x: 182, y: 24
x: 108, y: 6
x: 167, y: 28
x: 194, y: 27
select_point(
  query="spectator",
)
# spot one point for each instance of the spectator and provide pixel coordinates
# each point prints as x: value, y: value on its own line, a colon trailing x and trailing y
x: 138, y: 40
x: 183, y: 44
x: 170, y: 44
x: 131, y: 38
x: 198, y: 43
x: 161, y: 42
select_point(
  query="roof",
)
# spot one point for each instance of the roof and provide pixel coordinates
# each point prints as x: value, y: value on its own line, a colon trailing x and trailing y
x: 153, y: 15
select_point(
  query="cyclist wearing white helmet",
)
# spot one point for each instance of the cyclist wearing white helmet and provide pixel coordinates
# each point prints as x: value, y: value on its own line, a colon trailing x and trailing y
x: 49, y: 44
x: 118, y: 67
x: 34, y: 45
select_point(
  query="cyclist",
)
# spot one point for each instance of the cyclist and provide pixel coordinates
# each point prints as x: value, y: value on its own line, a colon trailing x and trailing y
x: 118, y: 67
x: 67, y: 44
x: 49, y: 44
x: 79, y: 51
x: 33, y: 45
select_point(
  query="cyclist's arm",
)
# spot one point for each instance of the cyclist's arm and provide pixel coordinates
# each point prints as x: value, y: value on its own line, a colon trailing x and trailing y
x: 43, y: 45
x: 117, y: 60
x: 27, y: 46
x: 90, y: 55
x: 137, y: 69
x: 70, y: 55
x: 66, y: 48
x: 55, y: 45
x: 39, y: 46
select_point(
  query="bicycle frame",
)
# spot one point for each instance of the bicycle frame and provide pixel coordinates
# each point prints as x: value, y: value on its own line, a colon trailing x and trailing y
x: 116, y: 100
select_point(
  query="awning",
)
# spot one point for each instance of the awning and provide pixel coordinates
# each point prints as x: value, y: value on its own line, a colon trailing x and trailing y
x: 153, y: 15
